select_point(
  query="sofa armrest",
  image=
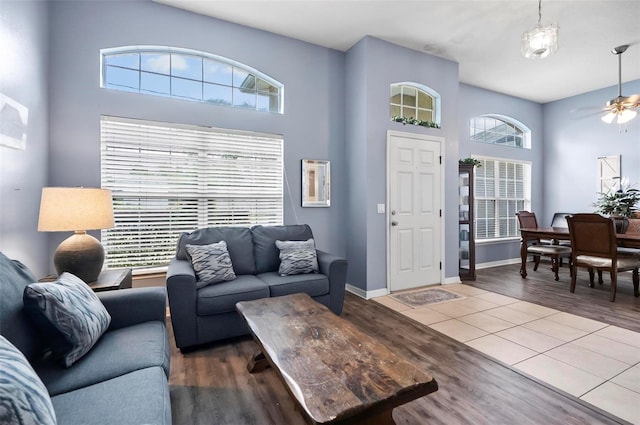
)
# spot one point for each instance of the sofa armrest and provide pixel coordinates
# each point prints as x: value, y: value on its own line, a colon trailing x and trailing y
x: 335, y: 268
x: 136, y: 305
x: 181, y: 288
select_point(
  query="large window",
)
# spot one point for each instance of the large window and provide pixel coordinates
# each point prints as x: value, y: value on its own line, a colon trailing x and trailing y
x: 502, y: 188
x: 168, y: 179
x: 190, y: 75
x: 498, y: 130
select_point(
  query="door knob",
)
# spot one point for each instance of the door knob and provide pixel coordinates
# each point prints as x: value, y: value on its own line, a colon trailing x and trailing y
x: 394, y: 223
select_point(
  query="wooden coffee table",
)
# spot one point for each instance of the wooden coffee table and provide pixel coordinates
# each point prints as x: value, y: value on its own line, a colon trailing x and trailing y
x: 336, y: 373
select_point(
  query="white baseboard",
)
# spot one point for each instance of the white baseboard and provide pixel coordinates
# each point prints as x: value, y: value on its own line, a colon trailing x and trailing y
x: 498, y: 263
x: 367, y: 294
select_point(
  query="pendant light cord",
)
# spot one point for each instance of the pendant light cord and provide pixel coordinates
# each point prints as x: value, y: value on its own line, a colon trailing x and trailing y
x: 539, y: 12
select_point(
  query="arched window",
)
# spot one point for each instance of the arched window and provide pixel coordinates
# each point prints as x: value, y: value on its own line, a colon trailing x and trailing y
x: 500, y: 130
x: 191, y: 75
x: 413, y: 103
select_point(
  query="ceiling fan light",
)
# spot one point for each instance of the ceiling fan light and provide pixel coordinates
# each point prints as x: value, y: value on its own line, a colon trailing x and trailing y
x: 626, y: 115
x: 609, y: 117
x: 539, y: 42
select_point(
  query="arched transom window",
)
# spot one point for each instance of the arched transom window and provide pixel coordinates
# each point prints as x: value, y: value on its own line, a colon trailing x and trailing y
x: 413, y: 103
x: 191, y: 75
x: 499, y: 130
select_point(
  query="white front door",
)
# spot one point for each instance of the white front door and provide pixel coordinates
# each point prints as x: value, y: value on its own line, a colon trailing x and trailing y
x: 414, y: 218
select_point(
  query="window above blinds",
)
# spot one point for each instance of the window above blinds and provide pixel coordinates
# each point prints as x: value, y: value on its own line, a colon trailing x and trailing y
x: 167, y: 179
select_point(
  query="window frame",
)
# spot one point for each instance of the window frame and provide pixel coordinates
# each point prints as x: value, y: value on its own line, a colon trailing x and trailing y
x: 526, y: 132
x: 143, y: 49
x: 434, y: 95
x: 526, y: 199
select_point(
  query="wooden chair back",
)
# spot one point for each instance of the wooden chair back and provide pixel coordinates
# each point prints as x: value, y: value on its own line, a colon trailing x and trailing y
x: 634, y: 226
x: 527, y: 219
x: 593, y: 235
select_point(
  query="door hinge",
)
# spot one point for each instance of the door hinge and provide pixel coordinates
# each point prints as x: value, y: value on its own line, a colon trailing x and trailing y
x: 440, y: 265
x: 440, y: 213
x: 440, y: 159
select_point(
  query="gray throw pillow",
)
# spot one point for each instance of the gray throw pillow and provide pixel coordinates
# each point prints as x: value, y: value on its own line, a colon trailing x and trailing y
x: 297, y: 257
x: 211, y: 263
x: 69, y: 314
x: 23, y: 397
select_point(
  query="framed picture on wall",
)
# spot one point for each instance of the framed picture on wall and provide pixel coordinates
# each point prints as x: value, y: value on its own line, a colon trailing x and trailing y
x: 316, y: 183
x: 609, y: 173
x: 13, y: 123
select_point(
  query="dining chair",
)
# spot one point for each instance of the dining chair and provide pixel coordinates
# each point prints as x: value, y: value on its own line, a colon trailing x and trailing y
x: 526, y: 220
x: 593, y: 241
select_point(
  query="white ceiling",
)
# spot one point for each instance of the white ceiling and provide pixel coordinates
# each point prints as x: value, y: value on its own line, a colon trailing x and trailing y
x: 482, y: 36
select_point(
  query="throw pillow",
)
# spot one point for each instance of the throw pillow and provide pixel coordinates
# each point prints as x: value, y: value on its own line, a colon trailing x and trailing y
x: 23, y: 397
x: 69, y: 314
x: 297, y: 257
x: 211, y: 263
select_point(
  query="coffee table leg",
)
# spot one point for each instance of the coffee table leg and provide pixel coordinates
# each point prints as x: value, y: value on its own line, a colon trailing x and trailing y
x: 258, y: 363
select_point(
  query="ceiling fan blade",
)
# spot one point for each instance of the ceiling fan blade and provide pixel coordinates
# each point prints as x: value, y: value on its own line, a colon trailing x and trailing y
x: 585, y: 112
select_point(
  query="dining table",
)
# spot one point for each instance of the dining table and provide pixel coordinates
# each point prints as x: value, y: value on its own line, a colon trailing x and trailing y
x: 627, y: 240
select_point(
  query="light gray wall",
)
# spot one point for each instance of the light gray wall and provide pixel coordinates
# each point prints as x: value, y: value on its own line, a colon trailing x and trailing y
x: 475, y: 101
x: 24, y: 35
x: 575, y: 137
x: 380, y: 64
x: 313, y: 77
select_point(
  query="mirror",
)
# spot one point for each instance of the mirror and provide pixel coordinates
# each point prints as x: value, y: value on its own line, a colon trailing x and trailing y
x: 316, y: 183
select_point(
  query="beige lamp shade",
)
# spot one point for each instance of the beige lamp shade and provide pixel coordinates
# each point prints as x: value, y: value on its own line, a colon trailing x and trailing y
x: 75, y: 208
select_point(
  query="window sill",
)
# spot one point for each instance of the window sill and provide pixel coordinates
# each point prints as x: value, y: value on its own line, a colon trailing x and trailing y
x: 497, y: 241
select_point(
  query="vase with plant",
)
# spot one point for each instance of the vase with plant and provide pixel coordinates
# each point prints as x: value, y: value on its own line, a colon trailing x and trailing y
x: 620, y: 204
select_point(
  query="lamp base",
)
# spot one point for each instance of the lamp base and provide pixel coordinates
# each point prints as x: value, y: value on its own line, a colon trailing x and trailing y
x: 80, y: 254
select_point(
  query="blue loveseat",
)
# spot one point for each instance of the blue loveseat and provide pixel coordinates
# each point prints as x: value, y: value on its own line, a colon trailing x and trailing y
x: 122, y: 380
x: 206, y: 314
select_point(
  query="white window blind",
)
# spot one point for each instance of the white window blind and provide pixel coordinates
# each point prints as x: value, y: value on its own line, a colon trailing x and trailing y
x: 502, y: 188
x: 168, y: 178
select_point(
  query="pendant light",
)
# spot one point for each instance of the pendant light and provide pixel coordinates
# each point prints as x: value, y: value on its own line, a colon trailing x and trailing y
x: 540, y: 41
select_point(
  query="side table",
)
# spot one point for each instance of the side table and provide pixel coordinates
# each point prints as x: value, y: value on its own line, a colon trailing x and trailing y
x: 107, y: 281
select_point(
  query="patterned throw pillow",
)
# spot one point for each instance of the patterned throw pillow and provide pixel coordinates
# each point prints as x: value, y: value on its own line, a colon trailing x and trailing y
x: 297, y: 257
x: 69, y: 314
x: 211, y: 263
x: 23, y: 397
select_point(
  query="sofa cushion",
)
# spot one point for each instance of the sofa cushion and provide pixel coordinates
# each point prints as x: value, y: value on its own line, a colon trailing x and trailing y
x: 222, y: 297
x: 15, y: 325
x: 265, y: 251
x: 140, y: 397
x: 211, y: 263
x: 297, y: 257
x: 23, y: 397
x: 69, y: 313
x: 312, y: 284
x: 239, y: 244
x: 118, y: 352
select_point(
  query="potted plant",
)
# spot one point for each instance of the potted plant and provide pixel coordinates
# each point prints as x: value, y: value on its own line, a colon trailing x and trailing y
x: 619, y: 204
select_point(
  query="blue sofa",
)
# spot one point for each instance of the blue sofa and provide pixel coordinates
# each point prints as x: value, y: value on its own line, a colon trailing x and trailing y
x: 123, y: 379
x: 202, y: 315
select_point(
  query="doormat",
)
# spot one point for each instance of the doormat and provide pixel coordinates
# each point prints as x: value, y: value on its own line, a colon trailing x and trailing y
x: 425, y: 297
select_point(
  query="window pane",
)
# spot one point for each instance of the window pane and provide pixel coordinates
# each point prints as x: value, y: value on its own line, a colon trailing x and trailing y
x: 244, y: 98
x: 126, y: 60
x: 395, y: 111
x: 186, y: 66
x: 424, y: 100
x: 396, y: 94
x: 265, y: 86
x: 154, y: 83
x: 409, y: 96
x: 219, y: 95
x: 186, y: 88
x: 495, y: 131
x: 217, y: 72
x: 267, y: 102
x: 424, y: 115
x: 122, y: 79
x: 156, y: 62
x: 408, y: 112
x: 244, y: 79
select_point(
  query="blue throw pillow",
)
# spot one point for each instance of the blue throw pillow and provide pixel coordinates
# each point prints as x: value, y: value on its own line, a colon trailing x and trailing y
x: 297, y: 257
x: 211, y: 263
x: 23, y: 397
x: 69, y: 314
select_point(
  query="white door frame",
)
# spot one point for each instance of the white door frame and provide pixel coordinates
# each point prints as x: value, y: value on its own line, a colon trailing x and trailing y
x: 441, y: 141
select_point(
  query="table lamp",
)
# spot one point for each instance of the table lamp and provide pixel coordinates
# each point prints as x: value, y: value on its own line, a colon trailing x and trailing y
x: 77, y: 209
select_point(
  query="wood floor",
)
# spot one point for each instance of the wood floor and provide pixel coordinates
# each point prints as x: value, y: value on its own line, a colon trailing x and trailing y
x: 212, y: 385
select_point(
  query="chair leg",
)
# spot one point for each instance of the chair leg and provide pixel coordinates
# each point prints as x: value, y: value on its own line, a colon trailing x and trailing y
x: 614, y: 283
x: 600, y: 277
x: 591, y: 275
x: 574, y: 274
x: 636, y: 281
x: 536, y: 262
x: 554, y: 266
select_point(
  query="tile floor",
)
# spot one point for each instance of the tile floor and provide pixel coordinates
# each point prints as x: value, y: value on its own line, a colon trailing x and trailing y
x: 596, y: 362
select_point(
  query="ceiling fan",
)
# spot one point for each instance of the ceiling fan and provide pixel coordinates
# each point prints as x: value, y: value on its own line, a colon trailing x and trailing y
x: 621, y: 109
